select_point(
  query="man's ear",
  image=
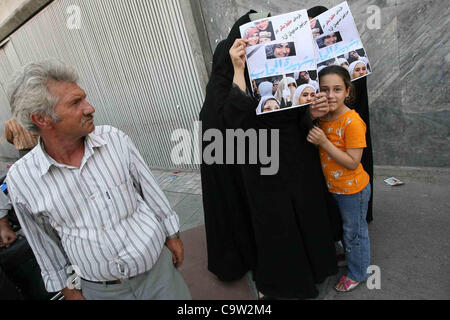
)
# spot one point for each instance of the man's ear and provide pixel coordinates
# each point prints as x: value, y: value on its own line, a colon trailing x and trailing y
x: 41, y: 121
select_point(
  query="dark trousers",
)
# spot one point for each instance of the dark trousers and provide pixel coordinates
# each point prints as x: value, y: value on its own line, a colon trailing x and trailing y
x: 20, y: 275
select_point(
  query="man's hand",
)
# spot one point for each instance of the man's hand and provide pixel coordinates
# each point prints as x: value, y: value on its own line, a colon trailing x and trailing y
x: 319, y: 107
x: 317, y: 137
x: 72, y: 294
x: 176, y: 247
x: 7, y: 236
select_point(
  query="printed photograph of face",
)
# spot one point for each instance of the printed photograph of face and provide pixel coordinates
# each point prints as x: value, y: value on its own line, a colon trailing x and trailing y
x: 263, y: 25
x: 357, y: 69
x: 280, y: 50
x: 252, y: 35
x: 268, y: 86
x: 304, y: 94
x: 329, y: 40
x: 355, y: 55
x: 259, y: 32
x: 355, y: 62
x: 316, y: 28
x: 276, y: 93
x: 304, y: 76
x: 270, y: 104
x: 264, y: 37
x: 340, y: 61
x: 307, y: 77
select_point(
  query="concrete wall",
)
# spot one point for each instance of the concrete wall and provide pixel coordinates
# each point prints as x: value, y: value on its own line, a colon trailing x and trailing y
x: 130, y: 56
x: 408, y: 93
x: 13, y: 13
x: 409, y: 96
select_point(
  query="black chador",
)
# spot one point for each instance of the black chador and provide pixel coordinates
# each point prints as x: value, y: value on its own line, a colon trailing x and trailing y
x: 229, y: 234
x: 292, y: 226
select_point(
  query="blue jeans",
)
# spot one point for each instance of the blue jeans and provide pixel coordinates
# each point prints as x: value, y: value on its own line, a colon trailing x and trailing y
x: 356, y: 241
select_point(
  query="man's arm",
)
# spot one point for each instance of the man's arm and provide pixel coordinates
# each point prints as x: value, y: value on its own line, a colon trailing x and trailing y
x: 152, y: 194
x: 7, y: 236
x: 43, y: 240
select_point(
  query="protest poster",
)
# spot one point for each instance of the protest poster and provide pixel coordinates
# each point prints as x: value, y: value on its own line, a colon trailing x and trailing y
x: 337, y: 42
x: 280, y: 51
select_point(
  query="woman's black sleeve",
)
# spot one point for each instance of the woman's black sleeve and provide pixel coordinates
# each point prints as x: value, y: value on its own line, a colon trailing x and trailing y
x: 305, y: 121
x: 239, y: 109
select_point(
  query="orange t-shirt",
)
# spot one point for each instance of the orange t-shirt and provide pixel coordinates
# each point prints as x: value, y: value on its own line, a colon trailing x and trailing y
x: 348, y: 131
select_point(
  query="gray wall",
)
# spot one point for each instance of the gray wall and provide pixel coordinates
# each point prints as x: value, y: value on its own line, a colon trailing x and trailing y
x: 130, y: 56
x: 408, y: 91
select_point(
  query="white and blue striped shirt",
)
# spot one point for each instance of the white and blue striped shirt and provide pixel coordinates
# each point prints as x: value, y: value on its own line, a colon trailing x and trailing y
x: 109, y: 217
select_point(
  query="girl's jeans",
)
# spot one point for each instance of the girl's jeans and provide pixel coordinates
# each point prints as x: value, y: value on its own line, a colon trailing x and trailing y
x: 356, y: 241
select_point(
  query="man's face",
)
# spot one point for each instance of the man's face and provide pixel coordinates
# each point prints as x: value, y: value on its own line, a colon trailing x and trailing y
x: 75, y: 113
x: 262, y: 25
x: 282, y: 50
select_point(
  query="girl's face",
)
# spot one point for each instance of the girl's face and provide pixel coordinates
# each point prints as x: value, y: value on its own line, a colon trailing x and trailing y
x: 330, y: 39
x: 359, y: 71
x: 262, y: 25
x: 307, y: 96
x: 253, y: 39
x: 334, y: 86
x: 292, y: 86
x: 271, y: 105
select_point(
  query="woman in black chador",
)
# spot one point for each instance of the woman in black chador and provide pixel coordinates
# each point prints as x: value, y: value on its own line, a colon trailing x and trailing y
x: 229, y: 234
x: 291, y: 226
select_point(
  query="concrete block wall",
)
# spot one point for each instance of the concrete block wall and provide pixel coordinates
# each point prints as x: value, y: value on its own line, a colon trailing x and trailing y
x: 408, y: 91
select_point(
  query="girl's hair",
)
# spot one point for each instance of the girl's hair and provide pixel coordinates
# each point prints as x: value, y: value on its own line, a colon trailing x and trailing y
x: 345, y: 76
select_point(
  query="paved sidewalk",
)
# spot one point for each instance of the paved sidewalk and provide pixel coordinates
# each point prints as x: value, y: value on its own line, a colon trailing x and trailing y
x: 409, y: 238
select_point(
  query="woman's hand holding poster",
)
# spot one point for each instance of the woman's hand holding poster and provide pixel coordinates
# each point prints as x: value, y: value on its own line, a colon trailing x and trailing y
x: 284, y: 53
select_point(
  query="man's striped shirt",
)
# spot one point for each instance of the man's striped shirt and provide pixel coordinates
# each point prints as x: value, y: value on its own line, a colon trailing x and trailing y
x: 109, y: 217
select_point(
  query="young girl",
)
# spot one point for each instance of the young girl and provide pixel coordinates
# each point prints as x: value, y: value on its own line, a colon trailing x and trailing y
x: 341, y: 138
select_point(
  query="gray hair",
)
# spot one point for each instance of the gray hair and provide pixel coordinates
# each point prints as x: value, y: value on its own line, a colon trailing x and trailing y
x: 28, y: 92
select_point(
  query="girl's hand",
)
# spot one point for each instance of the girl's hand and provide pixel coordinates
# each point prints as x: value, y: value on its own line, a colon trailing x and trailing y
x: 316, y: 136
x: 237, y: 54
x: 319, y: 107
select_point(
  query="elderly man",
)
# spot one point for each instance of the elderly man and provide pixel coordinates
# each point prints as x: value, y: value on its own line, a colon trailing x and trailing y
x: 86, y: 199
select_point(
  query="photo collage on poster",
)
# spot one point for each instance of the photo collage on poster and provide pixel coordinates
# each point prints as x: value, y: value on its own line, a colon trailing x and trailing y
x: 337, y: 42
x: 277, y: 51
x: 286, y: 52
